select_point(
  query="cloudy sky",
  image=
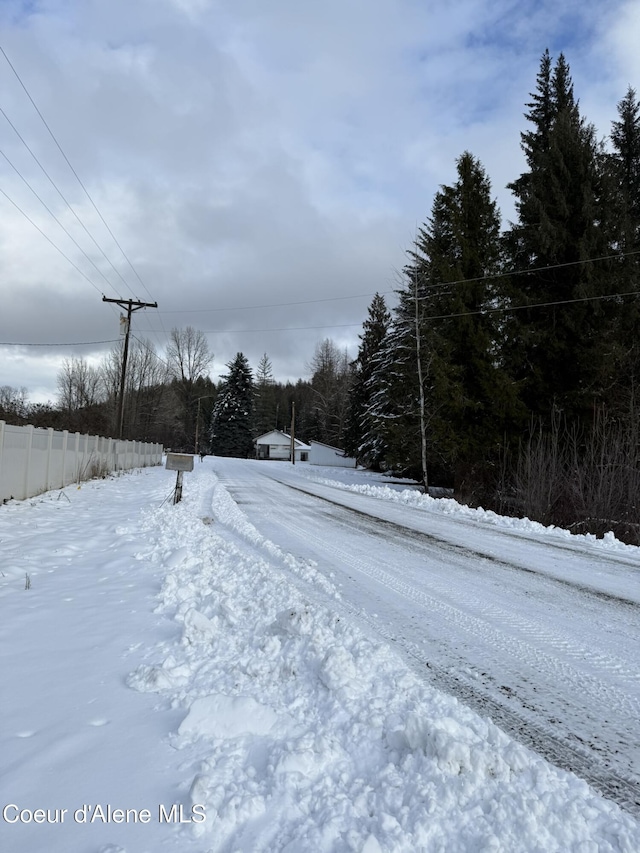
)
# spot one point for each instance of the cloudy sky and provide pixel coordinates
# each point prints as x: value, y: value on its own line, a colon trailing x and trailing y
x: 263, y: 164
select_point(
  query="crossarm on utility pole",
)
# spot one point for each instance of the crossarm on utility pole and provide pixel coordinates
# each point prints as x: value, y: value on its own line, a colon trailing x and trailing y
x: 130, y: 305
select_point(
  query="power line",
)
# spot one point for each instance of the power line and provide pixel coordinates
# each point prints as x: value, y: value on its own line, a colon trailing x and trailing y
x: 59, y: 147
x: 86, y: 191
x: 534, y: 305
x: 60, y: 193
x: 273, y: 304
x: 281, y: 329
x: 485, y: 278
x: 150, y: 349
x: 66, y: 344
x: 49, y: 240
x: 501, y: 309
x: 530, y: 271
x: 48, y: 209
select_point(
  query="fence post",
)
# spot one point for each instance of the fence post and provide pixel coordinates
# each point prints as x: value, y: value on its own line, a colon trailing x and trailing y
x: 27, y: 467
x: 83, y: 461
x: 47, y: 478
x: 2, y: 426
x: 108, y: 458
x: 65, y: 442
x: 85, y: 456
x: 76, y: 451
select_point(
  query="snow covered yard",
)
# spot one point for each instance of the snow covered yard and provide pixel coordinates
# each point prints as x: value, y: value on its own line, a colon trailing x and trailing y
x: 174, y: 663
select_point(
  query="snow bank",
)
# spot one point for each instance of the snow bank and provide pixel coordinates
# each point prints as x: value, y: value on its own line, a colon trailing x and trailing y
x: 301, y: 734
x: 450, y: 507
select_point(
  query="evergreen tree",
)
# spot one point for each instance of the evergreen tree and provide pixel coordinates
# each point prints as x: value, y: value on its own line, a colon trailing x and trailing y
x: 556, y: 351
x: 470, y: 398
x: 265, y: 400
x: 625, y: 135
x: 542, y: 111
x: 232, y: 415
x: 374, y: 332
x: 625, y: 177
x: 391, y: 422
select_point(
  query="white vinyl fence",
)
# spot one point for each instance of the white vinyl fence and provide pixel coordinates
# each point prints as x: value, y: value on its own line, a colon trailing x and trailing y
x: 34, y: 460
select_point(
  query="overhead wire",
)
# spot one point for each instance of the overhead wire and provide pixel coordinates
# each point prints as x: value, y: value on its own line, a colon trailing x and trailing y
x: 530, y: 270
x: 504, y: 309
x: 498, y: 309
x: 501, y: 309
x: 273, y: 304
x: 485, y: 278
x: 48, y: 209
x: 60, y: 193
x: 65, y: 344
x: 49, y: 240
x: 84, y: 188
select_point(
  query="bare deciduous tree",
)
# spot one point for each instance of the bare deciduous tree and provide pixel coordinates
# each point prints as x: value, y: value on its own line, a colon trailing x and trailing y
x: 330, y: 381
x: 13, y: 403
x: 79, y: 385
x: 188, y: 357
x: 145, y: 385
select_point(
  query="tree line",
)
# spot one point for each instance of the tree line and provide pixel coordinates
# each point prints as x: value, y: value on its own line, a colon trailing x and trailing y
x: 172, y: 399
x: 508, y: 369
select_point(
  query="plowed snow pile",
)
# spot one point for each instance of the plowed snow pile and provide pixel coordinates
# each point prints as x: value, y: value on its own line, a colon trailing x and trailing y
x: 166, y: 655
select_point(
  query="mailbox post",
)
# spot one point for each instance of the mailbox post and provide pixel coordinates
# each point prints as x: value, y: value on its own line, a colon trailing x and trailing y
x: 179, y: 462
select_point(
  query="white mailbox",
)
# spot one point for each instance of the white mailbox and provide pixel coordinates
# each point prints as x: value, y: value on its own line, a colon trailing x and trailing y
x: 179, y: 462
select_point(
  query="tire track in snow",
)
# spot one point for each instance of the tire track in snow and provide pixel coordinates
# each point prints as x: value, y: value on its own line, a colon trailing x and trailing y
x: 630, y: 605
x: 525, y: 723
x: 531, y: 722
x: 522, y: 724
x: 602, y: 661
x: 480, y: 628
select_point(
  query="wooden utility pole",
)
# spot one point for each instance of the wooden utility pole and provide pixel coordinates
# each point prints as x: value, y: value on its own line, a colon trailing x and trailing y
x: 197, y: 443
x: 423, y: 418
x: 131, y: 305
x: 293, y: 433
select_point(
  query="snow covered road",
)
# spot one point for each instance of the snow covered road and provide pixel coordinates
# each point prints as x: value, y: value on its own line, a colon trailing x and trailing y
x: 226, y: 675
x: 542, y: 634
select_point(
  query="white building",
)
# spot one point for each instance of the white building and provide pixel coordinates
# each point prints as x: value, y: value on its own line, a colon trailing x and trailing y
x: 277, y: 445
x: 324, y: 454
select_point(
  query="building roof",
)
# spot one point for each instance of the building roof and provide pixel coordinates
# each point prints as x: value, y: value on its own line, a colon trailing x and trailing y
x: 299, y: 445
x: 329, y: 447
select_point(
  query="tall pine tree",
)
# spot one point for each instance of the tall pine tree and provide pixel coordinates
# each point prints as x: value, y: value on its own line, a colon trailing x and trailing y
x: 625, y: 177
x: 556, y: 351
x: 374, y: 332
x: 471, y: 399
x: 265, y: 398
x: 232, y: 417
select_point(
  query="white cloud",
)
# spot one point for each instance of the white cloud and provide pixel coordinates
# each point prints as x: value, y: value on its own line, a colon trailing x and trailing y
x: 622, y: 42
x: 249, y: 153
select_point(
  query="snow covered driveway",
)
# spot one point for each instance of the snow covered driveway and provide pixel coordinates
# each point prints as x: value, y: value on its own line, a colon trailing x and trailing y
x: 539, y: 631
x: 210, y: 677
